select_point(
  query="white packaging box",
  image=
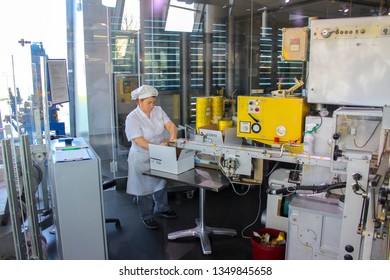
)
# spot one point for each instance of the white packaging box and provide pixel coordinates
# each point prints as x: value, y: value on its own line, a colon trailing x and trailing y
x: 171, y: 159
x: 214, y: 136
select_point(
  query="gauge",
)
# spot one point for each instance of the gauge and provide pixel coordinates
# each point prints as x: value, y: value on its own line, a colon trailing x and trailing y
x: 281, y: 130
x: 256, y: 127
x: 245, y: 127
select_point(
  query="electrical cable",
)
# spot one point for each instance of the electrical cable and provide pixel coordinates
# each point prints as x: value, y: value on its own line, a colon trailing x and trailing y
x: 272, y: 170
x: 241, y: 194
x: 360, y: 188
x: 319, y: 115
x: 228, y: 177
x: 314, y: 188
x: 369, y: 138
x: 322, y: 188
x: 257, y: 217
x: 362, y: 212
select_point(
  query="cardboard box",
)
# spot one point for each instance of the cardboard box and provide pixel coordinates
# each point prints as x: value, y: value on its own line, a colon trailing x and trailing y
x: 171, y: 159
x: 215, y: 136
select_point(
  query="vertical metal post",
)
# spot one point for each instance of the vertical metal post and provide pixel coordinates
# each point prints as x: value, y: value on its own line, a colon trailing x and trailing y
x: 208, y: 49
x: 29, y: 191
x: 20, y: 249
x: 46, y: 125
x: 202, y: 202
x: 46, y: 105
x: 251, y: 50
x: 184, y: 97
x: 230, y: 58
x: 208, y: 64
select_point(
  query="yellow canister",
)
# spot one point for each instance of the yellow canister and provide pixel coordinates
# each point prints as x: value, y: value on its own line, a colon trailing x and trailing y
x: 203, y: 111
x: 216, y: 107
x: 222, y: 124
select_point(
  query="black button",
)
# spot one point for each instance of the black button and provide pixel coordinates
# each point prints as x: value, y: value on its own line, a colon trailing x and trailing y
x: 349, y: 248
x: 348, y: 257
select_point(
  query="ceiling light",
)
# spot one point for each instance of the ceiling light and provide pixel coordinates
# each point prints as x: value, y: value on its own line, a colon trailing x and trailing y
x: 109, y: 3
x: 180, y: 17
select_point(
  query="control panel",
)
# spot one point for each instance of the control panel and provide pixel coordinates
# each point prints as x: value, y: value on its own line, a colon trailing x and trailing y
x: 271, y: 120
x: 354, y: 31
x: 349, y: 61
x: 254, y: 106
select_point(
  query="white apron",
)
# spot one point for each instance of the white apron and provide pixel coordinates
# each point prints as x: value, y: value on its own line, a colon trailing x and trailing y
x: 137, y: 184
x: 152, y: 129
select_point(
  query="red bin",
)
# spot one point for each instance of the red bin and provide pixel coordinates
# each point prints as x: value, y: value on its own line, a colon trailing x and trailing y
x: 263, y: 252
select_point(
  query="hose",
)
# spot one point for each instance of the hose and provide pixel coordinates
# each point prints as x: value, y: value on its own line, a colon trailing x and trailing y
x: 314, y: 188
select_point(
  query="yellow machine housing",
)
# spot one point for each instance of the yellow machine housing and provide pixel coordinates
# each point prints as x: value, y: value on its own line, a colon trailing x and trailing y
x: 272, y: 120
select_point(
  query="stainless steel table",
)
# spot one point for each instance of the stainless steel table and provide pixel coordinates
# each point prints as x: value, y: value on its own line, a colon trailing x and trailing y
x: 204, y: 179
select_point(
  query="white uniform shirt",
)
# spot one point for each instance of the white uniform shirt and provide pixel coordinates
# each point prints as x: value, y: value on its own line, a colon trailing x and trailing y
x: 151, y: 129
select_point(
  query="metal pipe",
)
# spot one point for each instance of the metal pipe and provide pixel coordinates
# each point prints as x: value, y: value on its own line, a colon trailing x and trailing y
x: 202, y: 202
x: 208, y: 49
x: 46, y: 123
x: 230, y: 58
x: 208, y: 58
x: 184, y: 96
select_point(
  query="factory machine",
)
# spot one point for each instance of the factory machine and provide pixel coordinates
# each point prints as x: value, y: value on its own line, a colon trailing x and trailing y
x: 334, y: 202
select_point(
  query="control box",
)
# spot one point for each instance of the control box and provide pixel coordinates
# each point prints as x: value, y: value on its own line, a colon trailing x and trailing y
x: 295, y: 44
x: 271, y: 120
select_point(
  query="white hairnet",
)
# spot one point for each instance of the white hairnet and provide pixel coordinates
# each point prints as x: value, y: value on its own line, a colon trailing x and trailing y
x: 144, y: 91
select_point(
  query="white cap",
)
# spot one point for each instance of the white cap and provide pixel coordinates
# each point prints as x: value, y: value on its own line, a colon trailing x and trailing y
x: 143, y: 92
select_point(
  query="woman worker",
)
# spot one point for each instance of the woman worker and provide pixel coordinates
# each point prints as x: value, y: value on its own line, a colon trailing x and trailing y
x: 146, y: 124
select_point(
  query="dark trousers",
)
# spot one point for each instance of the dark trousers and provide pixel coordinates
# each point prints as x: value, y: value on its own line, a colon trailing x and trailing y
x: 152, y: 203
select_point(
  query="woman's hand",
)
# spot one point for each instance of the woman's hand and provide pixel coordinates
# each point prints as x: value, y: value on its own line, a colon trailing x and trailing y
x: 172, y: 129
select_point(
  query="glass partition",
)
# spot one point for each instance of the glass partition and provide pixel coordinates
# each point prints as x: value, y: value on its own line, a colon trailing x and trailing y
x: 233, y: 48
x: 228, y: 52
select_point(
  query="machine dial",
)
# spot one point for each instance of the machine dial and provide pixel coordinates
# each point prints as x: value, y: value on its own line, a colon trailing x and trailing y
x: 326, y: 33
x: 281, y: 130
x: 256, y: 127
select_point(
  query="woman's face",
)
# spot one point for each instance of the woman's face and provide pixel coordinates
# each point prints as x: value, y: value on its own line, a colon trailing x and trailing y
x: 147, y: 104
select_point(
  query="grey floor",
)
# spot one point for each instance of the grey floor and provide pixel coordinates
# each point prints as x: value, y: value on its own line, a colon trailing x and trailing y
x: 135, y: 242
